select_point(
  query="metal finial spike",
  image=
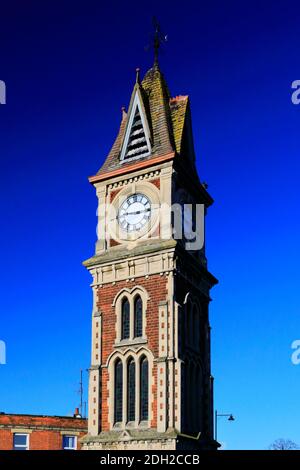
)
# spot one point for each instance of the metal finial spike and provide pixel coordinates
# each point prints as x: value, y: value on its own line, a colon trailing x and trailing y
x: 157, y: 39
x: 137, y: 78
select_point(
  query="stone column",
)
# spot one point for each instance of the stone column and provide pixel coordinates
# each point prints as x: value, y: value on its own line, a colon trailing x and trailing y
x: 166, y: 202
x: 101, y: 227
x: 162, y: 399
x: 94, y: 418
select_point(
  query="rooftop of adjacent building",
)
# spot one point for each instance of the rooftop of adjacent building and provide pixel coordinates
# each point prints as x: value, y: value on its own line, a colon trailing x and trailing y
x: 20, y: 419
x: 42, y: 416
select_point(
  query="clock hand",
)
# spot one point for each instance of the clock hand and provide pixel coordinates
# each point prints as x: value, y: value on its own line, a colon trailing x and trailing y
x: 137, y: 212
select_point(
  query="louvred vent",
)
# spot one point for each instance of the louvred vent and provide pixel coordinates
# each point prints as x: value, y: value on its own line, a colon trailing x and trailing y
x: 137, y: 143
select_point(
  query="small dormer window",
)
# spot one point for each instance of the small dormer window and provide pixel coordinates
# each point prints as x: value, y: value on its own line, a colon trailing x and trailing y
x: 136, y: 142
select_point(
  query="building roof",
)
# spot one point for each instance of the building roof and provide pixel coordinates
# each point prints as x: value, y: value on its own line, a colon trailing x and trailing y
x: 28, y: 420
x: 40, y: 416
x: 167, y: 118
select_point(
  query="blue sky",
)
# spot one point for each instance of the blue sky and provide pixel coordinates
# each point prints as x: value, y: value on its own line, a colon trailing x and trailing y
x: 69, y: 67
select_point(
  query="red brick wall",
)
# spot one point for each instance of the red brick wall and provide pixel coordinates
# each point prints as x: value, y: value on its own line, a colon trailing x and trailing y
x: 156, y: 182
x: 154, y: 394
x: 114, y: 193
x: 6, y: 439
x: 40, y: 439
x: 113, y: 242
x: 156, y: 287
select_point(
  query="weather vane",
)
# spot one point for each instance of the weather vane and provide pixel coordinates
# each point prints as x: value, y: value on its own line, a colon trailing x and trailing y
x: 158, y: 38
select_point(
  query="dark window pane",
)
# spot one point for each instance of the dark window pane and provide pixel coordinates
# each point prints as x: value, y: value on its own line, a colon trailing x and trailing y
x: 125, y: 319
x: 181, y: 338
x: 131, y: 391
x: 144, y: 390
x: 68, y: 442
x: 20, y: 442
x: 118, y: 392
x: 189, y: 323
x: 138, y: 317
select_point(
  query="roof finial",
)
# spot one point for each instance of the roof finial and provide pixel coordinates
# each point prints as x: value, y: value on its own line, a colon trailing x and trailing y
x: 137, y: 78
x: 158, y: 39
x: 123, y: 110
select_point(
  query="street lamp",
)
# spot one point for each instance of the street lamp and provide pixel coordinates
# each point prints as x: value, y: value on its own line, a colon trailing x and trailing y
x: 219, y: 415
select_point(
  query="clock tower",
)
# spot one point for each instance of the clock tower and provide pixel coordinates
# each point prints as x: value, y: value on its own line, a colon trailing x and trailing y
x: 150, y: 382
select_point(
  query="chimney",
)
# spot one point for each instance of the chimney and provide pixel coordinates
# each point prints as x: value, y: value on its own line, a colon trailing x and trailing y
x: 77, y: 414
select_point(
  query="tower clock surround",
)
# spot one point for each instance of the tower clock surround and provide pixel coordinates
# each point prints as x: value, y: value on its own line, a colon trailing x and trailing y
x: 151, y: 194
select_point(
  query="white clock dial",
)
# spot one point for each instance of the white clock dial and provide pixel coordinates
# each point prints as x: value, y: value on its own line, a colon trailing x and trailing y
x: 134, y: 213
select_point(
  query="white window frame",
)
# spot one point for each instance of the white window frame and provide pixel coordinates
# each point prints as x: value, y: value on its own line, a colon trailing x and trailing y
x: 75, y: 442
x: 23, y: 447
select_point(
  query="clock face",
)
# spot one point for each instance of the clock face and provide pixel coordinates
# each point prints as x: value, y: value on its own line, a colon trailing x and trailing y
x: 134, y: 213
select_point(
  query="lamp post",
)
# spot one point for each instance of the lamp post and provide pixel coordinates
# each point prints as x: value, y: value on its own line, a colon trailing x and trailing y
x: 219, y: 415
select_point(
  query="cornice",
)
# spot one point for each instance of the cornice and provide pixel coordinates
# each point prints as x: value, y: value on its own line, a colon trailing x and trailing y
x: 131, y: 168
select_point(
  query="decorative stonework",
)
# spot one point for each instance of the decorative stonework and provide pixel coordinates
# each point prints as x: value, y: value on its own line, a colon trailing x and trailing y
x: 147, y: 444
x: 145, y: 440
x: 132, y: 269
x: 146, y: 175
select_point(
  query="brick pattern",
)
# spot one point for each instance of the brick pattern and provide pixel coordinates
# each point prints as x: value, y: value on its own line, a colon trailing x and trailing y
x: 46, y: 431
x: 156, y: 287
x: 156, y: 182
x: 6, y: 439
x: 154, y: 394
x: 203, y: 354
x: 113, y: 242
x: 113, y: 194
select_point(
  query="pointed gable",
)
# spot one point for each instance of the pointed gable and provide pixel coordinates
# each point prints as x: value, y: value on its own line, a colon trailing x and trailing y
x: 136, y: 141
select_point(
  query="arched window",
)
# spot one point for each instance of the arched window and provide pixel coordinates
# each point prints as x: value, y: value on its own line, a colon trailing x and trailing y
x: 182, y: 320
x: 144, y: 379
x: 194, y: 402
x: 118, y: 392
x: 194, y: 326
x: 186, y: 395
x: 191, y: 399
x: 131, y: 390
x: 189, y: 326
x: 125, y: 319
x: 138, y: 317
x: 200, y: 399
